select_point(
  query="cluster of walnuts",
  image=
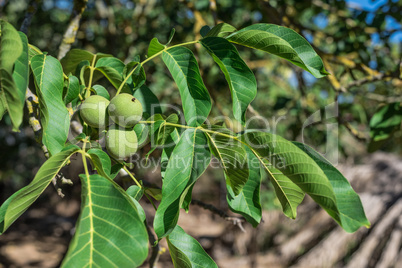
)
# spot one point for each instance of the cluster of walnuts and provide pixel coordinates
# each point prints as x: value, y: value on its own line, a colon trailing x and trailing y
x: 117, y: 117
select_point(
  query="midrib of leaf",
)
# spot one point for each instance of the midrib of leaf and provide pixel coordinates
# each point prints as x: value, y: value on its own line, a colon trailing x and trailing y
x: 91, y: 215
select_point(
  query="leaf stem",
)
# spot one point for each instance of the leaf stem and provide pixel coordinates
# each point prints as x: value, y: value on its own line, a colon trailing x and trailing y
x: 91, y: 74
x: 148, y: 59
x: 132, y: 176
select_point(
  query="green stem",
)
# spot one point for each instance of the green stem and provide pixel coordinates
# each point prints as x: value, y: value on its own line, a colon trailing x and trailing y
x: 148, y: 59
x: 91, y: 74
x: 132, y: 176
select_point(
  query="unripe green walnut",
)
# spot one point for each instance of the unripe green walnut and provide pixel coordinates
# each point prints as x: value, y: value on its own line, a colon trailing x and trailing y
x: 93, y: 111
x: 121, y: 142
x: 125, y: 110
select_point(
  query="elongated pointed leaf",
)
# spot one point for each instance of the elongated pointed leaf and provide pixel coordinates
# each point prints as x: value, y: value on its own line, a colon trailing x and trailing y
x: 110, y: 232
x: 283, y: 42
x: 73, y: 89
x: 21, y: 69
x: 240, y: 78
x: 186, y: 251
x: 195, y: 97
x: 297, y: 166
x: 20, y: 201
x: 155, y: 47
x: 348, y: 202
x: 289, y: 194
x: 188, y: 161
x: 232, y: 156
x: 247, y: 203
x: 55, y: 119
x: 10, y: 99
x: 10, y: 46
x: 221, y: 30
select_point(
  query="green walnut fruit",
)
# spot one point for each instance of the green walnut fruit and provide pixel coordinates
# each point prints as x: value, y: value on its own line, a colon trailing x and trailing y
x: 121, y: 142
x: 93, y: 111
x: 125, y: 110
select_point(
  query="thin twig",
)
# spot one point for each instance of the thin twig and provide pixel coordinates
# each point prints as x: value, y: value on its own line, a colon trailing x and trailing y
x: 31, y: 10
x: 235, y: 220
x: 72, y: 29
x: 155, y: 254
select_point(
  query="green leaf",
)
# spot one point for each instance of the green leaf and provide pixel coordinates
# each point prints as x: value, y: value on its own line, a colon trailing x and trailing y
x: 11, y: 46
x: 240, y: 78
x: 55, y: 119
x: 101, y: 162
x: 135, y: 192
x: 142, y: 131
x: 108, y: 234
x: 101, y: 91
x: 155, y: 47
x: 171, y: 35
x: 283, y: 42
x: 296, y: 165
x: 385, y: 121
x: 247, y: 203
x: 73, y: 89
x: 3, y: 109
x: 204, y: 30
x: 138, y: 77
x: 150, y: 103
x: 188, y: 161
x: 111, y: 62
x: 170, y: 144
x: 33, y: 51
x: 160, y: 134
x: 186, y: 251
x: 221, y: 30
x: 349, y: 205
x: 232, y: 156
x: 19, y: 202
x: 75, y: 56
x: 21, y: 69
x: 112, y: 69
x: 195, y: 97
x: 10, y: 99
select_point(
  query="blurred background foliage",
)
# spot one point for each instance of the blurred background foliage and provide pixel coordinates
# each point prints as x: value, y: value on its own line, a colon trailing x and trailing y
x: 359, y: 41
